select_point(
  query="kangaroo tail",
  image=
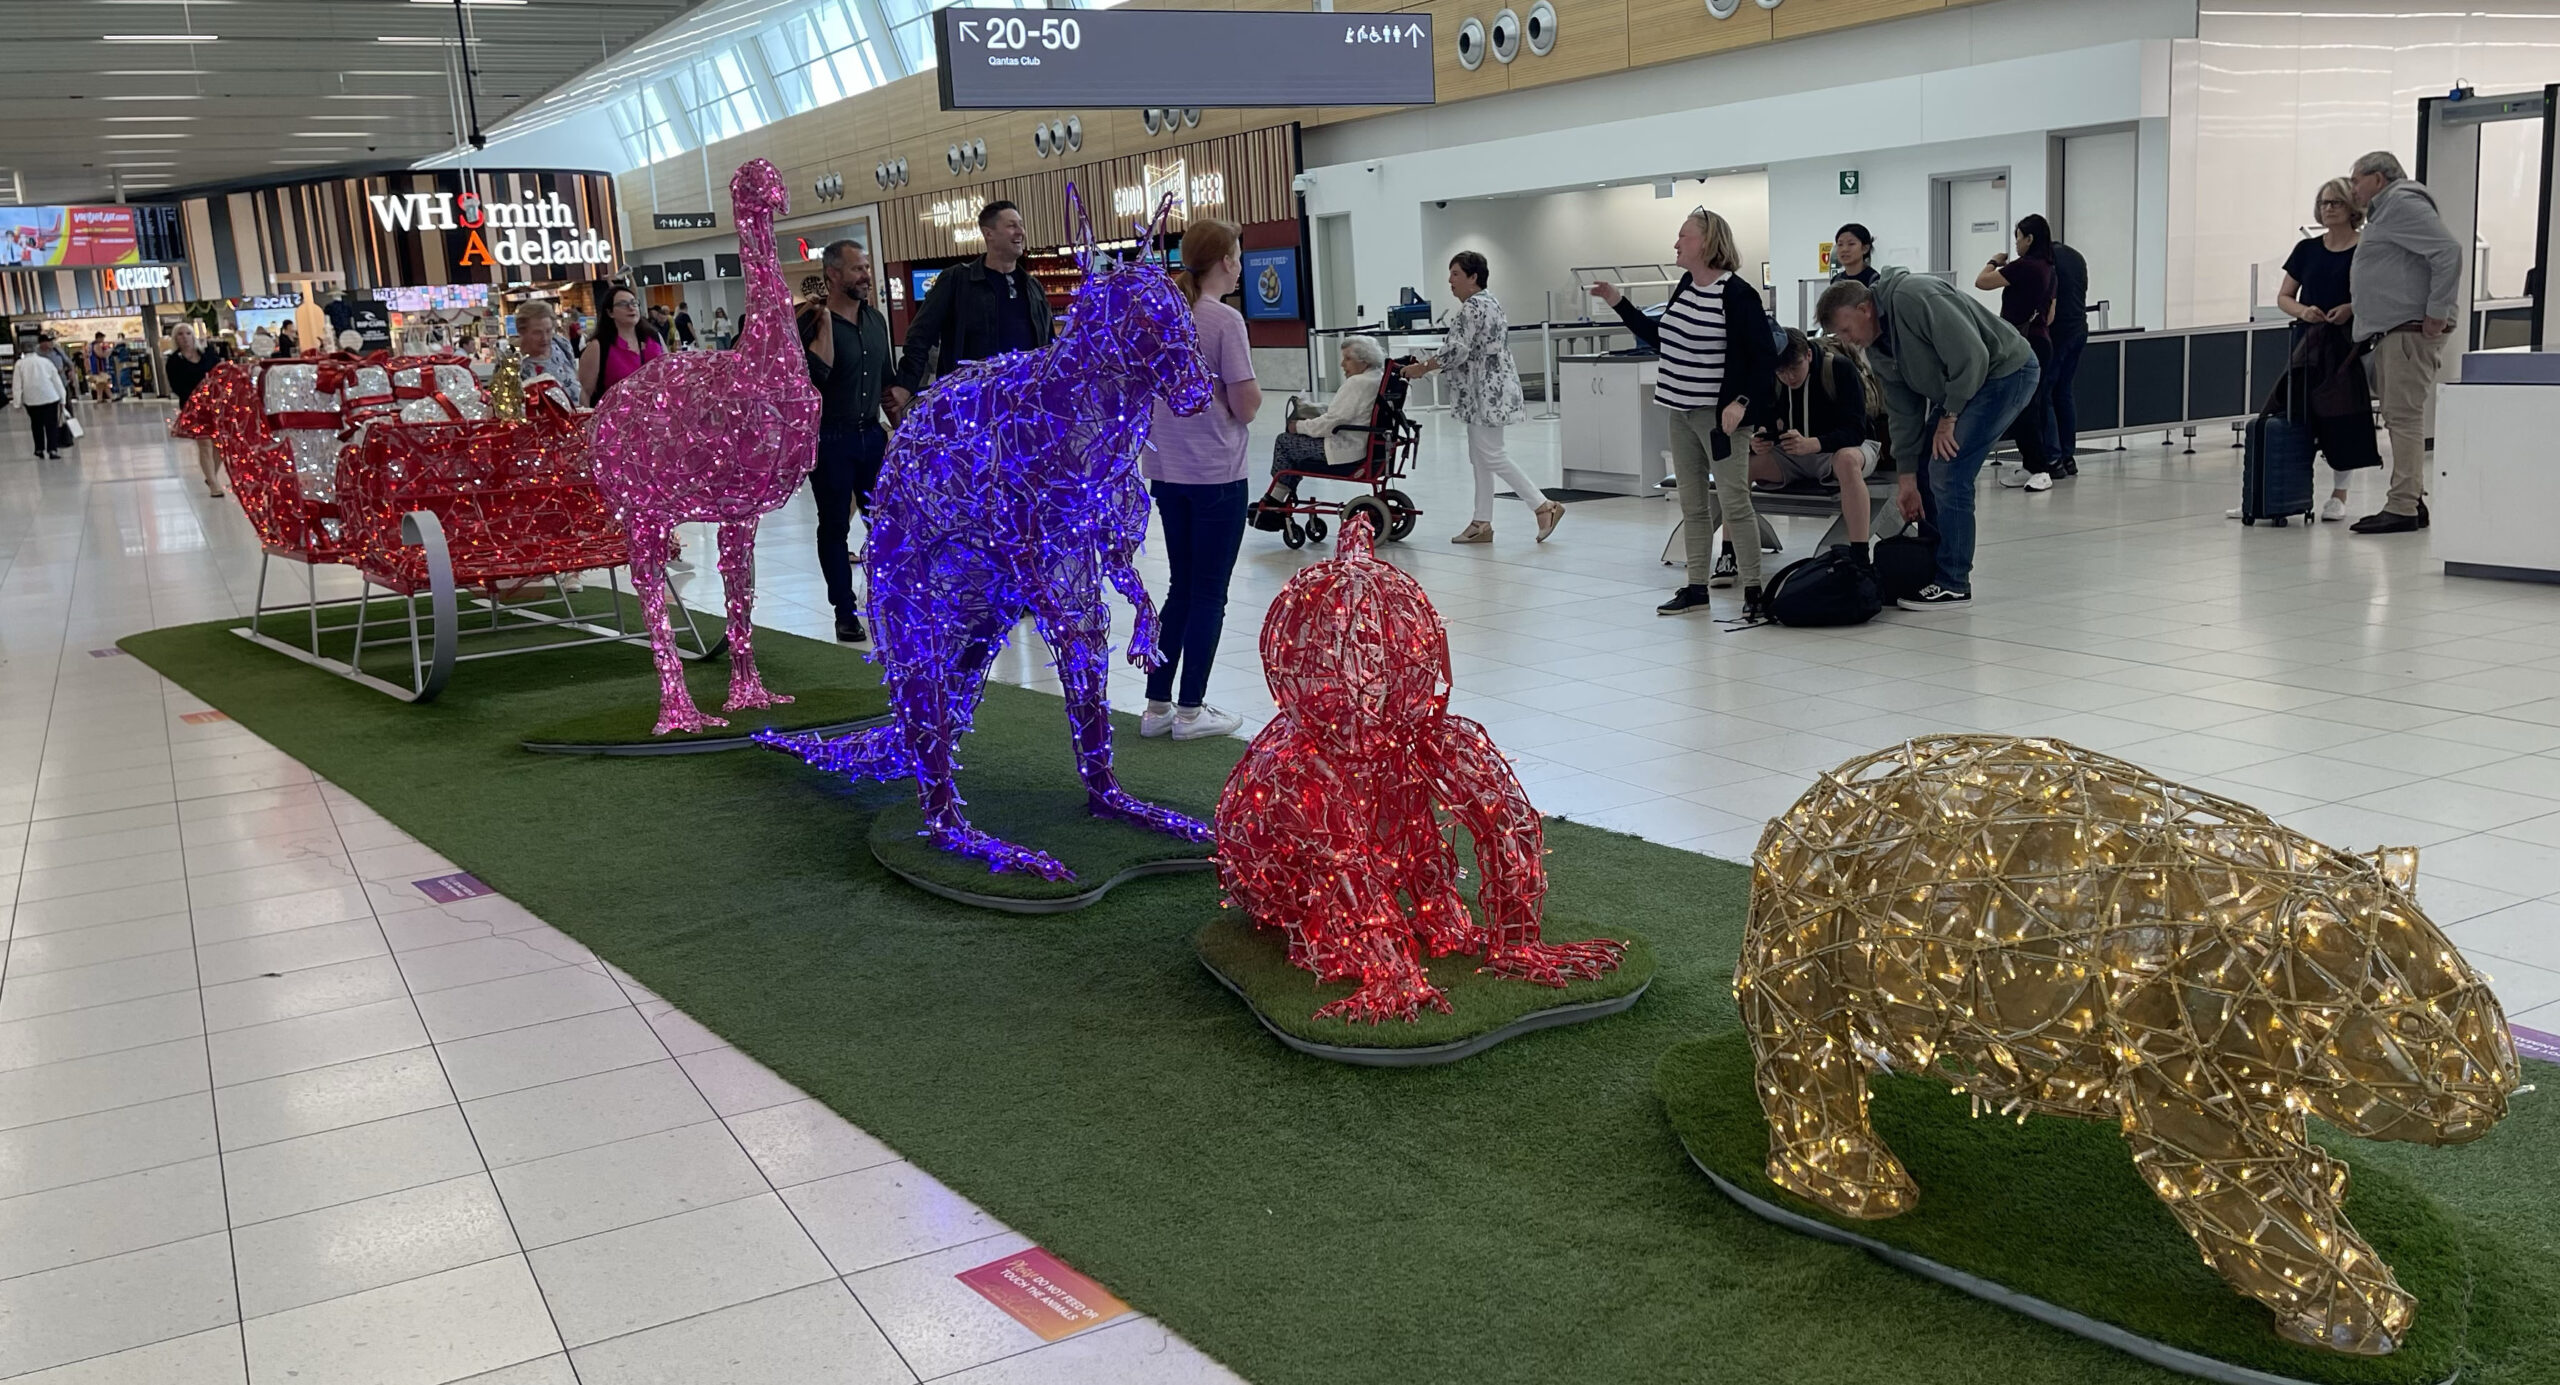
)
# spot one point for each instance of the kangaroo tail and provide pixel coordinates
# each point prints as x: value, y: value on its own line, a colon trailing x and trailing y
x: 875, y: 752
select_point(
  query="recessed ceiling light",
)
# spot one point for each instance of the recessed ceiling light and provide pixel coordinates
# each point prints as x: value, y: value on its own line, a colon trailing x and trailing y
x: 159, y: 38
x: 372, y: 96
x: 164, y: 2
x: 154, y: 96
x: 331, y: 134
x: 143, y: 119
x: 157, y: 134
x: 161, y: 163
x: 301, y: 162
x: 154, y: 72
x: 391, y: 72
x: 419, y: 39
x: 472, y: 4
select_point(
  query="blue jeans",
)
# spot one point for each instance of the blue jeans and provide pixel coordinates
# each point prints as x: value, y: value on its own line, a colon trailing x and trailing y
x: 2061, y: 379
x: 848, y: 467
x: 1946, y: 487
x: 1203, y: 528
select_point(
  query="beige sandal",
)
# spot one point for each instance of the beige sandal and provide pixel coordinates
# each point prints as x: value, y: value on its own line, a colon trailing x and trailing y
x: 1549, y: 515
x: 1477, y: 531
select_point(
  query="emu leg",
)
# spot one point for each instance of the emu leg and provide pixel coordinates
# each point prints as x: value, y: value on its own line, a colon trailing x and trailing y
x: 676, y: 711
x: 738, y: 579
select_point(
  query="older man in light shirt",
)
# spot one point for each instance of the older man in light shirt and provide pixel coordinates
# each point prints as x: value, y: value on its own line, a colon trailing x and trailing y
x: 544, y: 350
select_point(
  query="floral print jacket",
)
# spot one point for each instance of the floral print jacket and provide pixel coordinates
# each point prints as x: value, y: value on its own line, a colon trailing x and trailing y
x: 1483, y: 379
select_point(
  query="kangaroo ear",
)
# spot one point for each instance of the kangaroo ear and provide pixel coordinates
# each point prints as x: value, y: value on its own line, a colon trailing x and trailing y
x: 1080, y: 229
x: 1164, y: 213
x: 2398, y: 864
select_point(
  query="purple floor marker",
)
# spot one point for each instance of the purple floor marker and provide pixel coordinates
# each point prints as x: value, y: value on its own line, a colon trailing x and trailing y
x: 2533, y: 1043
x: 446, y: 889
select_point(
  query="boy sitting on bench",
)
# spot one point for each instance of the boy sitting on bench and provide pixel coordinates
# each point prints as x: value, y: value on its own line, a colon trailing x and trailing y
x: 1822, y: 436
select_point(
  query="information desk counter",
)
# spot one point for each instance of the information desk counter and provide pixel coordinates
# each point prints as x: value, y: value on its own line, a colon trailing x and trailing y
x: 1614, y: 436
x: 2492, y: 499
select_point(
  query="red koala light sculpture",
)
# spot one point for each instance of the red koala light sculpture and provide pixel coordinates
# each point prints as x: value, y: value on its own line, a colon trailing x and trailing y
x: 1339, y: 825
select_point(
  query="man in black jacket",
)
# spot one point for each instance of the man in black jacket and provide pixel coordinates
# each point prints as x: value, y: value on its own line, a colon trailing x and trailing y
x: 845, y: 341
x: 1820, y: 433
x: 984, y: 308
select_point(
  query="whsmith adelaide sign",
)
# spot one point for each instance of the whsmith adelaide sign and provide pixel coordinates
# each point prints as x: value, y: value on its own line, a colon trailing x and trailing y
x: 537, y: 230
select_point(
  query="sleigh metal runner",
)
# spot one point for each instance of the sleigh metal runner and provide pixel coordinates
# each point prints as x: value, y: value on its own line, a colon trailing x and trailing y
x: 401, y: 469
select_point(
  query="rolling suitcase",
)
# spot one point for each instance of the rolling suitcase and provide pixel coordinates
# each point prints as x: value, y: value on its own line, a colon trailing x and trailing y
x: 2275, y: 466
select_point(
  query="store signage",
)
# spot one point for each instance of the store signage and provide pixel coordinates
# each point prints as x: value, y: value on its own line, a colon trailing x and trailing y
x: 1270, y: 284
x: 683, y: 271
x: 1136, y: 58
x: 1848, y: 182
x: 503, y: 233
x: 137, y: 278
x: 269, y: 300
x: 1190, y: 192
x: 684, y: 221
x: 956, y: 217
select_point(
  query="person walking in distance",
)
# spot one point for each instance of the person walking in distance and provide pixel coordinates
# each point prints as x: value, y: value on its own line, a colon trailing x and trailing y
x: 846, y: 343
x: 41, y: 390
x: 188, y: 364
x: 1485, y: 379
x: 2025, y: 285
x: 2070, y: 333
x: 984, y: 308
x: 1195, y: 468
x: 2406, y: 273
x: 1954, y: 378
x: 1718, y: 377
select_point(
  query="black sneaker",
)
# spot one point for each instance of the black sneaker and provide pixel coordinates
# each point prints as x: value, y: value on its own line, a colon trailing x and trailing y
x: 1686, y: 601
x: 1754, y: 605
x: 849, y: 629
x: 1936, y: 598
x: 1726, y: 569
x: 2385, y: 522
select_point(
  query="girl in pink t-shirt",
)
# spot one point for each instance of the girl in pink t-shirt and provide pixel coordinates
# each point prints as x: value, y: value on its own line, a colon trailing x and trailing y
x: 1195, y: 467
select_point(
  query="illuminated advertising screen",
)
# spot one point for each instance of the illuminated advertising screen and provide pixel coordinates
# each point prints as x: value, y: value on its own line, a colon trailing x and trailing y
x: 86, y: 237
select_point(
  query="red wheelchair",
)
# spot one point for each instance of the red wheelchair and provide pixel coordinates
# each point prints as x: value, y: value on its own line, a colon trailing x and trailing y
x: 1394, y: 440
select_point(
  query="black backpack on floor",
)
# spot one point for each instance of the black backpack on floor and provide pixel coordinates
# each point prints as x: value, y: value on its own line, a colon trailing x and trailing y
x: 1834, y: 587
x: 1907, y: 561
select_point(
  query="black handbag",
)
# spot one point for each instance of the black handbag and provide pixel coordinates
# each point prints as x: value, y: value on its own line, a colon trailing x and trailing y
x: 1907, y: 561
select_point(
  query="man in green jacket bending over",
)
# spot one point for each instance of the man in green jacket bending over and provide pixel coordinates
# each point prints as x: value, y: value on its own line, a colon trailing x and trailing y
x: 1954, y: 378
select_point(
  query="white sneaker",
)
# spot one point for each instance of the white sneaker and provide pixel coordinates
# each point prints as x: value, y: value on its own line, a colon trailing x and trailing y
x: 2040, y: 481
x: 1156, y: 720
x: 1201, y: 722
x: 2334, y: 509
x: 2232, y: 513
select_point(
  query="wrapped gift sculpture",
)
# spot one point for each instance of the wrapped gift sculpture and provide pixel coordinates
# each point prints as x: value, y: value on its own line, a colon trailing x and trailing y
x: 2059, y: 933
x: 1336, y: 809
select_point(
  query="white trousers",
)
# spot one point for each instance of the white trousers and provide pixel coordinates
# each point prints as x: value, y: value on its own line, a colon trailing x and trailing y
x: 1487, y: 455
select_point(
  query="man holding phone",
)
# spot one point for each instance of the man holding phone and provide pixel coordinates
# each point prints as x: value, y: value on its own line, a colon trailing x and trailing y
x: 1954, y: 378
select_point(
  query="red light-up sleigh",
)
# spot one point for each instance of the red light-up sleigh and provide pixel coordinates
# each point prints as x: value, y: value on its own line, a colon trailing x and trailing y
x: 399, y: 468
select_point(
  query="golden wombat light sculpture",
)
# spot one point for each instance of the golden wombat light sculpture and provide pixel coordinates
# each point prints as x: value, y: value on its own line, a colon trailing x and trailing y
x: 2058, y: 932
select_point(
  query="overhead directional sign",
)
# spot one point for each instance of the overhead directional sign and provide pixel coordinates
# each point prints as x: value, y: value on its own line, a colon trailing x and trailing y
x: 1029, y: 59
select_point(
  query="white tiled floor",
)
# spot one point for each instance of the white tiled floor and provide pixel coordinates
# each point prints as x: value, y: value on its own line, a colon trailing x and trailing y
x: 268, y: 1114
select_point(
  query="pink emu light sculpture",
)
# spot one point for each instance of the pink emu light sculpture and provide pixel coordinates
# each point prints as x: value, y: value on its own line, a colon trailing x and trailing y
x: 716, y: 436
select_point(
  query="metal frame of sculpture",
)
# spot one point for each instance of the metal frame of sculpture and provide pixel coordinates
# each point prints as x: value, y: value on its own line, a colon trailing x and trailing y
x: 1355, y: 793
x: 1011, y: 491
x: 722, y: 437
x: 2056, y: 932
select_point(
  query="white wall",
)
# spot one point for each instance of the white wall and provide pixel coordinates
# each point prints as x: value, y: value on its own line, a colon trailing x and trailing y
x: 1533, y: 243
x: 2269, y: 102
x: 585, y: 140
x: 1921, y: 95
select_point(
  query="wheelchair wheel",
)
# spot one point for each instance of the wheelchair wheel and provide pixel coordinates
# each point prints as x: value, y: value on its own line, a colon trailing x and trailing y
x: 1400, y: 507
x: 1292, y: 533
x: 1317, y: 529
x: 1381, y: 520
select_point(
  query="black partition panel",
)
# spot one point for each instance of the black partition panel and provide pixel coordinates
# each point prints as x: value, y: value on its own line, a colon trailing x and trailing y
x: 2098, y: 390
x: 2217, y: 374
x: 2155, y: 381
x: 2270, y: 352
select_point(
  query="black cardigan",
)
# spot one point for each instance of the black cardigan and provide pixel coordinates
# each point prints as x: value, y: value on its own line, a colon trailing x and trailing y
x: 1750, y: 358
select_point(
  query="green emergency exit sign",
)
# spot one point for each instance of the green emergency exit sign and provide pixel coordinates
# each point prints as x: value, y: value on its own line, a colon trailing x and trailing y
x: 1848, y: 182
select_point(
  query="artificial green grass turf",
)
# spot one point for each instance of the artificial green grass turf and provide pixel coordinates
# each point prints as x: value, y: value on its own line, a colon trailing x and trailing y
x: 2055, y: 1208
x: 1022, y: 804
x: 1257, y: 959
x: 1526, y: 1215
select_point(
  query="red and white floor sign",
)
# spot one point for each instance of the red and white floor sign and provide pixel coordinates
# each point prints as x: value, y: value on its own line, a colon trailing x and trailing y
x: 1043, y: 1294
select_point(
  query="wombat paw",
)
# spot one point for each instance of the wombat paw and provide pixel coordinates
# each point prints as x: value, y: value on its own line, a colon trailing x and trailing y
x: 1863, y: 1180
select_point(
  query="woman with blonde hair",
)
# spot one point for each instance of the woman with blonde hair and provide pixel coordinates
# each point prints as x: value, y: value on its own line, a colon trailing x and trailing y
x: 2314, y: 292
x: 1718, y: 376
x: 1195, y: 467
x: 1485, y: 380
x: 187, y: 366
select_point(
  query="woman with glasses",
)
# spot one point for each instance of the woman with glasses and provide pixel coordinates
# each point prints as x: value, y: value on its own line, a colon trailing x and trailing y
x: 2315, y: 288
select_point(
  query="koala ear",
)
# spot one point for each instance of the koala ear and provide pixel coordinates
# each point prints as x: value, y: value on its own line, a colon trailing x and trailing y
x: 2398, y: 864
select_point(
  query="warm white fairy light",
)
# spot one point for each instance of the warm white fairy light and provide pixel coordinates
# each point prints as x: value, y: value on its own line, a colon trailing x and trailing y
x: 2057, y: 932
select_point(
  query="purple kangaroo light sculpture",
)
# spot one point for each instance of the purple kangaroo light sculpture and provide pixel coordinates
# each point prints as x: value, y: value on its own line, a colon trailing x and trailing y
x: 1012, y: 491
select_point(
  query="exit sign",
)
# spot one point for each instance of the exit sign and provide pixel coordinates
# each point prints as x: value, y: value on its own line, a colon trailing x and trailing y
x: 1848, y: 182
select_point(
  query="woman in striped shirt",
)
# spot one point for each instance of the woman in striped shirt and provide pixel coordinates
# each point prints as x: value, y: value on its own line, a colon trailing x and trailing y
x: 1718, y: 377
